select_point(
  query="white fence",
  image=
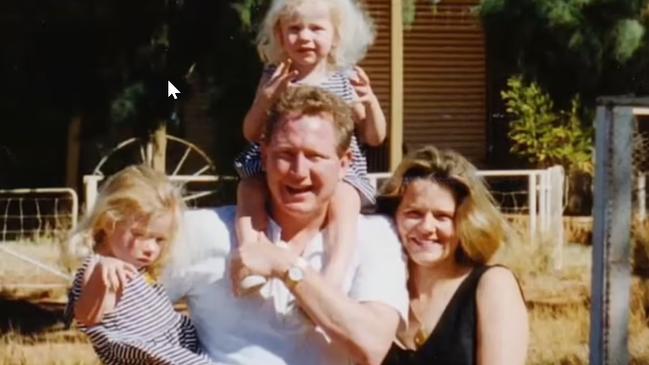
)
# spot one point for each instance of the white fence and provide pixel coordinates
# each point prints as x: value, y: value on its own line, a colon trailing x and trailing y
x: 31, y: 213
x: 36, y: 215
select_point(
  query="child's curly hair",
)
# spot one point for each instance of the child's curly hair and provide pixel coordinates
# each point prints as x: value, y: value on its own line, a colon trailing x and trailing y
x: 354, y: 31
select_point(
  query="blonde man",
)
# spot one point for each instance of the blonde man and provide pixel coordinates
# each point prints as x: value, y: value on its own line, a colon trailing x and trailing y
x: 297, y: 317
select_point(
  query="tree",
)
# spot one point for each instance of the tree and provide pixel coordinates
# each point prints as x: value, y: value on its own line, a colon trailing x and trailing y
x: 107, y: 62
x: 586, y: 47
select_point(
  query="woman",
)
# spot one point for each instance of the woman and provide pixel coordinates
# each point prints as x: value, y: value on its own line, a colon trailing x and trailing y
x: 462, y: 311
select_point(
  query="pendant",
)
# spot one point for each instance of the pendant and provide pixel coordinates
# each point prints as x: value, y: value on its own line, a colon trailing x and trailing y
x: 420, y: 338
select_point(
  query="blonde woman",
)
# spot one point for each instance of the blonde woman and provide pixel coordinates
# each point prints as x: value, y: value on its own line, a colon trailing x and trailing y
x: 317, y: 43
x: 116, y: 298
x: 462, y: 310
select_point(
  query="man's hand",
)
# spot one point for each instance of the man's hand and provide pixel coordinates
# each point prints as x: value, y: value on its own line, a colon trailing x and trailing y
x: 260, y: 257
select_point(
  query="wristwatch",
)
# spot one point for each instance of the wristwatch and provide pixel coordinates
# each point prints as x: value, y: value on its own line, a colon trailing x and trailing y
x: 295, y: 274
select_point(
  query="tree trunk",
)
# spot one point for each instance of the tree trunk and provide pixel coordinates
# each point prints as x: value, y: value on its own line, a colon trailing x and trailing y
x: 74, y: 147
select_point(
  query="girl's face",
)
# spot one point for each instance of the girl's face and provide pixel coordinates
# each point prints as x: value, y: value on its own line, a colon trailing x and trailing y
x: 140, y: 241
x: 426, y: 224
x: 307, y: 36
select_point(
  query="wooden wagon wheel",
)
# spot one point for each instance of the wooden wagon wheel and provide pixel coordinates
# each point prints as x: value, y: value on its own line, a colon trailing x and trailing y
x: 181, y: 157
x: 183, y: 162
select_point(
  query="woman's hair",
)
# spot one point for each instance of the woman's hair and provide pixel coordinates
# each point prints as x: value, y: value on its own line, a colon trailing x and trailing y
x: 353, y: 31
x: 480, y: 226
x: 133, y: 193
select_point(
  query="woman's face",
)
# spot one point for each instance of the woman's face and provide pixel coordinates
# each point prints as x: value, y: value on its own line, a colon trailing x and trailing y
x: 426, y: 225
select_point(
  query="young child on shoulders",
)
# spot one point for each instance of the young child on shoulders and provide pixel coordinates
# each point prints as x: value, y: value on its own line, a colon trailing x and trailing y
x: 319, y: 43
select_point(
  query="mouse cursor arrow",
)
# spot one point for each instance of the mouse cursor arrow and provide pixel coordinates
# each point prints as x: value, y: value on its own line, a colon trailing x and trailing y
x: 171, y: 90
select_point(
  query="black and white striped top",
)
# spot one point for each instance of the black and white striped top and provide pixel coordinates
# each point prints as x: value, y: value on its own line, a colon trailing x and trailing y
x: 248, y: 163
x: 143, y: 328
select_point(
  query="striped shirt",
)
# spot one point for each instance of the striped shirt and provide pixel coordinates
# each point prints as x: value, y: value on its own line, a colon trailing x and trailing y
x: 248, y: 163
x: 143, y: 328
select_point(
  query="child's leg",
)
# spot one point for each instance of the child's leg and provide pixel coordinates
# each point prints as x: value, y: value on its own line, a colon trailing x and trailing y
x: 251, y: 209
x: 343, y: 213
x: 251, y: 219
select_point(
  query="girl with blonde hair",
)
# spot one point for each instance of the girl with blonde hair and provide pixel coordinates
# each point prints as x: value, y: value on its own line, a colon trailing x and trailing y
x: 462, y: 309
x: 116, y: 298
x: 318, y: 43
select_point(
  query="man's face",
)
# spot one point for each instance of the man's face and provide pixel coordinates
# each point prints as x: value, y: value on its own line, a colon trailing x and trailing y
x: 302, y: 164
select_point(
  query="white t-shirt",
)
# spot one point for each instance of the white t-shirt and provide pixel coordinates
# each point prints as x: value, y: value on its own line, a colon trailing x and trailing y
x: 268, y: 327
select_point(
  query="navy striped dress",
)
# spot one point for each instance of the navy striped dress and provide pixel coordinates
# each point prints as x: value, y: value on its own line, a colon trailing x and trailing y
x: 143, y: 329
x: 248, y: 163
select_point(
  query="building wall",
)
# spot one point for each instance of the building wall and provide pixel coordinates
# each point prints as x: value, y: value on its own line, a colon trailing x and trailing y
x: 445, y: 79
x: 377, y: 66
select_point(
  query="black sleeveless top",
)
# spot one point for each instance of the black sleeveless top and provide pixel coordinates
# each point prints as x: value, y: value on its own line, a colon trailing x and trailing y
x: 454, y: 339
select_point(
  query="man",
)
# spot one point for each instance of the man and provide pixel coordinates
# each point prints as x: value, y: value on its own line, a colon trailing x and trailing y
x: 296, y: 317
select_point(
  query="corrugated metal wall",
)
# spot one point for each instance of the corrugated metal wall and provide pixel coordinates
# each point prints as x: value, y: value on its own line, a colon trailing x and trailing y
x: 445, y: 79
x: 377, y: 66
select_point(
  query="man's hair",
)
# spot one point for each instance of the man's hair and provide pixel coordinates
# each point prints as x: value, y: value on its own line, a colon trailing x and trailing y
x: 311, y: 100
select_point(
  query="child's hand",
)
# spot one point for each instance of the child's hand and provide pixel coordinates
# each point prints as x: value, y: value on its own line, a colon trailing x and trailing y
x: 114, y: 273
x: 361, y: 83
x: 277, y: 82
x: 259, y: 257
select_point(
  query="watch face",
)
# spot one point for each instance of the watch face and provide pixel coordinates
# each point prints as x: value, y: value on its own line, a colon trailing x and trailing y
x: 295, y: 274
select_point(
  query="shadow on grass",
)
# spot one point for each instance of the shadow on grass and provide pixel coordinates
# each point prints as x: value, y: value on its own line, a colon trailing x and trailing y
x: 26, y: 318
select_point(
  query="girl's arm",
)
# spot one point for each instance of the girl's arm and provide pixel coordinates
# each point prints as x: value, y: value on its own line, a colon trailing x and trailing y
x: 251, y: 209
x: 502, y: 319
x: 367, y: 110
x: 104, y: 280
x: 251, y: 222
x: 253, y: 123
x: 269, y: 88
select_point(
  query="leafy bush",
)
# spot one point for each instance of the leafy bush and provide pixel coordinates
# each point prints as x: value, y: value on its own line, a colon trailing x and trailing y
x: 543, y: 135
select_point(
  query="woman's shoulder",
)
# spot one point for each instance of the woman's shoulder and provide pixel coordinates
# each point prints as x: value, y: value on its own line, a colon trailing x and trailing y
x: 498, y: 283
x: 497, y: 275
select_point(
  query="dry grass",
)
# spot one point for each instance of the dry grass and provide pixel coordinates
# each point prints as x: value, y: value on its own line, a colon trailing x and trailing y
x: 16, y: 270
x: 559, y: 299
x: 54, y: 347
x: 31, y: 309
x: 558, y: 302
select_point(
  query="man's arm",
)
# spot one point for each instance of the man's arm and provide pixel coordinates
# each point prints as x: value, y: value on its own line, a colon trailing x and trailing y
x: 365, y: 329
x: 366, y: 321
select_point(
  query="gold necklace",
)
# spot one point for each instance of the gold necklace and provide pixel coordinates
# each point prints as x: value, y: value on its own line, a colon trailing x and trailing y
x: 420, y: 337
x: 421, y: 334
